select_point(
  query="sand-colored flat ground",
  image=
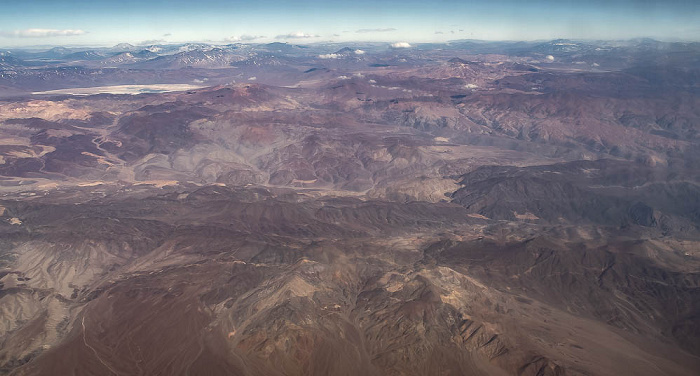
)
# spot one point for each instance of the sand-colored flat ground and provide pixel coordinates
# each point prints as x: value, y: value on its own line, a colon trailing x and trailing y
x: 121, y: 89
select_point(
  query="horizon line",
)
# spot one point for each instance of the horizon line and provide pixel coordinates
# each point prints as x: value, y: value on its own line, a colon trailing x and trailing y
x: 373, y: 42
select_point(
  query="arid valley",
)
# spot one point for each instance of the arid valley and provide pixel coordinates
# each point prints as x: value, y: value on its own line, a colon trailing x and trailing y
x: 466, y: 208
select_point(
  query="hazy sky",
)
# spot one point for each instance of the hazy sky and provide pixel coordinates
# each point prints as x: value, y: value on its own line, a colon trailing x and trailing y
x: 107, y: 22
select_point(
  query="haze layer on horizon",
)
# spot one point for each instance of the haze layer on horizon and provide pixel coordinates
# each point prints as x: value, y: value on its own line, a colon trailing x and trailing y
x: 107, y: 22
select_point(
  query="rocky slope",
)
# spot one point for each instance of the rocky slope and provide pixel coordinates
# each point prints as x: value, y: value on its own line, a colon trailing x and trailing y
x: 471, y: 209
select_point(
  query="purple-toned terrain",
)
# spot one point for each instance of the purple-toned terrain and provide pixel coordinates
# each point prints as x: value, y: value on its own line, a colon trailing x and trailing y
x: 468, y: 208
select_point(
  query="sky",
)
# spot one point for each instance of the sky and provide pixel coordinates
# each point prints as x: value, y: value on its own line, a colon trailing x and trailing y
x: 108, y: 22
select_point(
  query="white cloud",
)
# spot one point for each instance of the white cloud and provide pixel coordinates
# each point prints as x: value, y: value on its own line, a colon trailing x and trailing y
x: 359, y: 52
x: 384, y: 30
x: 243, y: 38
x: 296, y: 35
x: 471, y: 86
x: 152, y: 42
x: 41, y: 33
x: 400, y: 45
x: 550, y: 57
x: 252, y: 78
x: 329, y: 56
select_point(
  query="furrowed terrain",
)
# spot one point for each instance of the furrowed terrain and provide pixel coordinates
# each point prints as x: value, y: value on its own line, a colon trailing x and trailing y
x: 463, y: 209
